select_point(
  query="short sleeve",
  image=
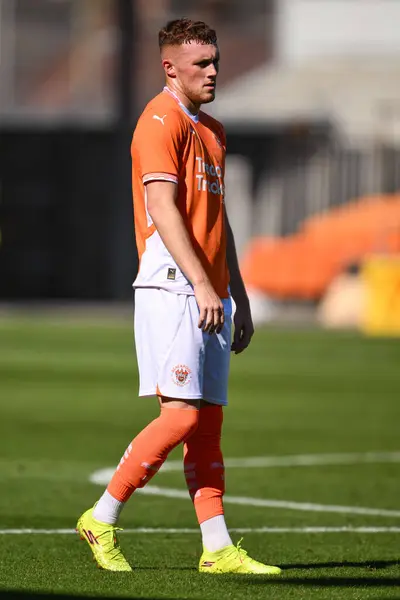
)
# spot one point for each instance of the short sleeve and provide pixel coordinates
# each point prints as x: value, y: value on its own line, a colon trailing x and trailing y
x: 157, y: 143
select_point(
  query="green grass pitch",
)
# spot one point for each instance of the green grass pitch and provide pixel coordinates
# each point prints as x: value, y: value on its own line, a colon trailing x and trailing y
x: 69, y: 406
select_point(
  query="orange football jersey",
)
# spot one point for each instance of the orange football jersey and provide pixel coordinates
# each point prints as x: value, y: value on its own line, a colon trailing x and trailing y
x: 172, y: 144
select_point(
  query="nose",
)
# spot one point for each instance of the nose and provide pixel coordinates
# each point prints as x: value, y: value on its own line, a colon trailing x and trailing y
x: 212, y: 70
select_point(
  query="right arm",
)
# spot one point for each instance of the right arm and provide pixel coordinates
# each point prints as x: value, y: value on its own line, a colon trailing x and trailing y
x: 161, y: 206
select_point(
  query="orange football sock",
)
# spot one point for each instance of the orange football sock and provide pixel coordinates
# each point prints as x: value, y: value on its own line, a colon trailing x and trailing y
x: 204, y: 465
x: 147, y: 452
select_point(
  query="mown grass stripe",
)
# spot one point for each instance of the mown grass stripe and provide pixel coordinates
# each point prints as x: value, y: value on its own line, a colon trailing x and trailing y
x: 184, y: 530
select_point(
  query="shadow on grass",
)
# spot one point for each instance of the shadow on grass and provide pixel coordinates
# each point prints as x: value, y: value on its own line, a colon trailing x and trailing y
x: 21, y: 595
x: 340, y: 582
x: 368, y: 564
x: 165, y: 568
x: 386, y: 598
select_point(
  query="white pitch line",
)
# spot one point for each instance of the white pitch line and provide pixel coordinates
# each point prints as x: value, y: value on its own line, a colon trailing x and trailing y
x: 183, y: 530
x: 103, y: 476
x: 153, y: 490
x: 310, y: 460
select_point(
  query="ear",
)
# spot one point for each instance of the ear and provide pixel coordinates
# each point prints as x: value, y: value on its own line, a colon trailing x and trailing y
x: 168, y: 68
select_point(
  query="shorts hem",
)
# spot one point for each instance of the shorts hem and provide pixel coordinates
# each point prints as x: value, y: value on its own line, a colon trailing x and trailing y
x: 216, y: 401
x: 141, y: 393
x: 154, y: 393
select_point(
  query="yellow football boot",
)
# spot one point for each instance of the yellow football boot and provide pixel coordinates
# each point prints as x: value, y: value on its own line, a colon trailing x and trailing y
x: 103, y: 542
x: 233, y: 559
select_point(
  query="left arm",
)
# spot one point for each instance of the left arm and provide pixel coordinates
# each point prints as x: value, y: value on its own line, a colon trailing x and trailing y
x: 243, y: 324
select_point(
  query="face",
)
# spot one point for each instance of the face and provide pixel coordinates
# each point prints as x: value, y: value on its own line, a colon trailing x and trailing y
x: 194, y: 69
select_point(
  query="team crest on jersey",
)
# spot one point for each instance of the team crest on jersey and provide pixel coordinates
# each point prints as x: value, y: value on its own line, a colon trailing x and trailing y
x: 181, y: 375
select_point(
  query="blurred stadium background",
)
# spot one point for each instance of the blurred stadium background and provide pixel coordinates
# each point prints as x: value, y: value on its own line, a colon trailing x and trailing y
x: 309, y: 93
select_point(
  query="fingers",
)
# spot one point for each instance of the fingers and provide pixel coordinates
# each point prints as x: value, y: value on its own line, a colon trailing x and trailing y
x: 215, y: 321
x: 218, y: 322
x: 236, y: 339
x: 211, y: 310
x: 209, y: 324
x: 212, y: 320
x: 221, y: 321
x: 202, y: 316
x: 241, y: 339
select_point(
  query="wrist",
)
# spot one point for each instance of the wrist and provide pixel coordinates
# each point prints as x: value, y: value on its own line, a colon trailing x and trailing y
x: 240, y: 297
x: 200, y: 280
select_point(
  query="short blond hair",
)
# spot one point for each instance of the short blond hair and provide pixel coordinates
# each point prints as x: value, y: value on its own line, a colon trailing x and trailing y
x: 183, y: 31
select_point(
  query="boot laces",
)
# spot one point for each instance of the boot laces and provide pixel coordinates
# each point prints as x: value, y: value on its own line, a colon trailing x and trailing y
x: 241, y: 552
x: 110, y: 544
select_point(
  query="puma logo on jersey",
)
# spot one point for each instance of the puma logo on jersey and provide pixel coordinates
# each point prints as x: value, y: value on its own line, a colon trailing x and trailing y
x: 157, y: 118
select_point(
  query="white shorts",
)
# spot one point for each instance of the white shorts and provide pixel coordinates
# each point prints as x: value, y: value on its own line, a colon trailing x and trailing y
x: 173, y: 354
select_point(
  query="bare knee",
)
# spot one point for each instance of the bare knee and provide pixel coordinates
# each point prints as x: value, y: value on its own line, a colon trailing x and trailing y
x: 178, y: 402
x: 188, y: 413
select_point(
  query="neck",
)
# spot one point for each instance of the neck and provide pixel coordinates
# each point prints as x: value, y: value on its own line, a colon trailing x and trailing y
x: 187, y: 103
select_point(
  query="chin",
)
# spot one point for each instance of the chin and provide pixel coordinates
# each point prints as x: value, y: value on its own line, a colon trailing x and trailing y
x: 207, y: 97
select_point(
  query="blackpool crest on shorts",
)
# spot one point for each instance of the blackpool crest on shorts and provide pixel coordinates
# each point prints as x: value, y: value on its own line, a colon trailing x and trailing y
x: 181, y: 375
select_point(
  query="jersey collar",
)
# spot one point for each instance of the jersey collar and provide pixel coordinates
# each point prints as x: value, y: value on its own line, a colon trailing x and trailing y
x: 194, y: 118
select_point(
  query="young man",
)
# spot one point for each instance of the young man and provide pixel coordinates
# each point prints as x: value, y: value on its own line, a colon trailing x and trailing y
x: 182, y: 303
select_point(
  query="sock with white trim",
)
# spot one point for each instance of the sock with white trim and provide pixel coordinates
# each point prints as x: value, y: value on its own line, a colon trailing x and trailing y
x: 108, y: 509
x: 215, y: 534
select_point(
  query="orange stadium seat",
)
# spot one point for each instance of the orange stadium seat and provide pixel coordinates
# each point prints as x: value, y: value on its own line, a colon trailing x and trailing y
x: 304, y: 264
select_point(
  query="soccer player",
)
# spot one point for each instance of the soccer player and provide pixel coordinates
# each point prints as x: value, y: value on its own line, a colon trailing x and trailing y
x: 188, y: 269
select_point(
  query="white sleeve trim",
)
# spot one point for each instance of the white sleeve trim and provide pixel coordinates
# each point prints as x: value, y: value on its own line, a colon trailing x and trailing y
x: 147, y: 179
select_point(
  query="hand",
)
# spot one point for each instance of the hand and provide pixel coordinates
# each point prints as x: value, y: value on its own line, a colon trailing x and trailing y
x: 211, y: 318
x: 243, y: 325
